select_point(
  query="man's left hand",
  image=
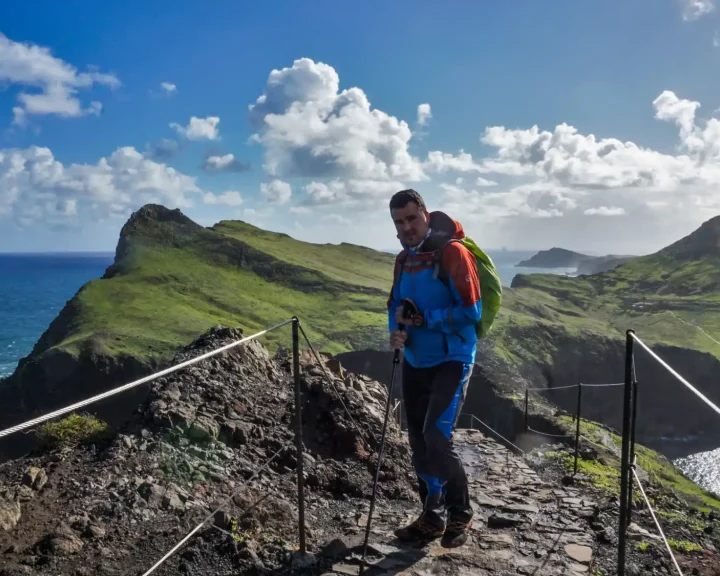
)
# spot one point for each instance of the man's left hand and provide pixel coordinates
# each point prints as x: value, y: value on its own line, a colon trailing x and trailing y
x: 400, y: 318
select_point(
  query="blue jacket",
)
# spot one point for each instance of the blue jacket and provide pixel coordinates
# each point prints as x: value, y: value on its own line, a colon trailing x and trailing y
x: 450, y: 313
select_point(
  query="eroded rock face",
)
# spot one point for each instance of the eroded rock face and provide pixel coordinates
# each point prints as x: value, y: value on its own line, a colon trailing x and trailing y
x: 9, y: 513
x: 222, y: 430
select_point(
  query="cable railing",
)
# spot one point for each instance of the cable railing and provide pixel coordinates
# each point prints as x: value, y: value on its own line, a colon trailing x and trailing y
x: 134, y: 384
x: 657, y: 524
x: 628, y: 468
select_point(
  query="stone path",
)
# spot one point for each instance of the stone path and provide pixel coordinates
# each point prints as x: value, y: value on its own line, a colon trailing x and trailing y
x: 523, y: 526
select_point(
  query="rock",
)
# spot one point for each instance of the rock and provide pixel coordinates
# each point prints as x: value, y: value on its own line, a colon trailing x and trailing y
x: 35, y: 478
x: 581, y: 554
x: 222, y: 520
x: 94, y: 531
x: 526, y: 508
x: 172, y: 501
x: 303, y: 561
x: 335, y: 549
x: 152, y: 493
x: 9, y: 514
x: 503, y: 521
x: 347, y: 569
x: 64, y: 542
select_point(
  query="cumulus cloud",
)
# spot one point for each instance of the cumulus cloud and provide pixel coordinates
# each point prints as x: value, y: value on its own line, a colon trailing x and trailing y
x: 696, y: 9
x: 535, y: 200
x: 309, y: 128
x: 229, y: 198
x: 56, y: 81
x: 199, y: 128
x: 168, y: 87
x: 34, y: 185
x: 605, y: 211
x: 276, y: 192
x: 224, y: 163
x: 440, y: 162
x: 352, y: 193
x: 424, y: 114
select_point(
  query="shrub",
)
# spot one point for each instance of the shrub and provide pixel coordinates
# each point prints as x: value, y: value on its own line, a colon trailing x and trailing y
x: 75, y: 429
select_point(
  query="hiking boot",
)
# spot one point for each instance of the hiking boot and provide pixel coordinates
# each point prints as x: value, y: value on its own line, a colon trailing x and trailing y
x: 456, y: 533
x: 425, y: 528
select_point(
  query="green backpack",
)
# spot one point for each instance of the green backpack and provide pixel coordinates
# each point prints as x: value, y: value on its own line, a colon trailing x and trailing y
x: 490, y: 284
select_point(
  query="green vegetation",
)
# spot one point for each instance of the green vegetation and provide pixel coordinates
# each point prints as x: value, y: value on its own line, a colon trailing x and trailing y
x: 605, y: 472
x: 75, y: 429
x: 685, y: 546
x: 174, y: 279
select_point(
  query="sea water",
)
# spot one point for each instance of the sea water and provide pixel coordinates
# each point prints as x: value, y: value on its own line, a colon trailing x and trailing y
x: 33, y: 290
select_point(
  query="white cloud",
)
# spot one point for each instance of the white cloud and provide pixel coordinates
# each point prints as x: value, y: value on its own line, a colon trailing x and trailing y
x: 224, y: 163
x: 695, y: 9
x: 605, y: 211
x: 276, y: 192
x: 424, y: 114
x: 446, y: 162
x: 168, y: 87
x: 536, y: 200
x: 482, y: 182
x: 199, y: 128
x: 58, y: 82
x: 309, y: 128
x: 337, y: 219
x: 352, y: 193
x: 229, y: 198
x: 34, y: 185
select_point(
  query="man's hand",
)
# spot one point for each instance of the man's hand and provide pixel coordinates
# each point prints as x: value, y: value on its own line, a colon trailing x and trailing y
x: 398, y: 338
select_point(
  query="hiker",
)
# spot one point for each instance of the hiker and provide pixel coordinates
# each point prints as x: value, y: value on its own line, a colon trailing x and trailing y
x: 435, y: 324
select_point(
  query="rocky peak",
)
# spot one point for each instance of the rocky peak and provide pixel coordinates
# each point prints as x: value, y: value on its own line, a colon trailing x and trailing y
x: 154, y: 223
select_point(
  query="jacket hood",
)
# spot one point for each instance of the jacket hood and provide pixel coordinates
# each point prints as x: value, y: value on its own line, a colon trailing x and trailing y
x: 442, y: 225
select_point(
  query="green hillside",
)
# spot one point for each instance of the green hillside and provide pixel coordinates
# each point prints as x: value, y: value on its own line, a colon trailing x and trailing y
x: 670, y: 297
x: 172, y: 279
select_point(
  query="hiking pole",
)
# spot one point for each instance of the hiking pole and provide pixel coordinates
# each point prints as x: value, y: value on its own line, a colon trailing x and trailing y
x: 396, y: 361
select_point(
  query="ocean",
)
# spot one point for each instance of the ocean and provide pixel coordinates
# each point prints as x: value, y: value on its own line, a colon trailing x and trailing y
x: 35, y: 287
x: 33, y: 290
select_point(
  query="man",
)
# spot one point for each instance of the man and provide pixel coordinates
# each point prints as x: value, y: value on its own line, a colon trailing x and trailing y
x: 436, y: 327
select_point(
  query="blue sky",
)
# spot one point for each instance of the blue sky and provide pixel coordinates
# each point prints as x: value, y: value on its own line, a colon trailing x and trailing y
x: 599, y: 67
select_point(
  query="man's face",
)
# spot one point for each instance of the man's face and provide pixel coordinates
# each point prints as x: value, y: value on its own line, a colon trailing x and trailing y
x: 411, y: 223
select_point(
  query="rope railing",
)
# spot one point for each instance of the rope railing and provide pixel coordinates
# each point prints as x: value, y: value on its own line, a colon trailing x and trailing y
x: 218, y: 509
x: 144, y: 380
x: 674, y: 373
x: 550, y: 389
x: 628, y: 471
x: 476, y: 419
x: 654, y: 517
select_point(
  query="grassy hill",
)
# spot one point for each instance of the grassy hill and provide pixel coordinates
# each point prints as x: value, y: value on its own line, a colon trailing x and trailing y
x: 670, y: 297
x: 172, y: 279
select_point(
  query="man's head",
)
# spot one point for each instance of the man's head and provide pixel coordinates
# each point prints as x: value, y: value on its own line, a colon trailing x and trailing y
x: 410, y: 216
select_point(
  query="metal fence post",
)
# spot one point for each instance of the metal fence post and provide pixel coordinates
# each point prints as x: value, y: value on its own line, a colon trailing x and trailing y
x: 298, y: 433
x: 625, y: 463
x: 632, y: 442
x: 578, y: 415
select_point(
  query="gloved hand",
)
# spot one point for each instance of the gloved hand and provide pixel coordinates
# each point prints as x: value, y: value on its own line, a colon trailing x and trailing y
x: 408, y: 314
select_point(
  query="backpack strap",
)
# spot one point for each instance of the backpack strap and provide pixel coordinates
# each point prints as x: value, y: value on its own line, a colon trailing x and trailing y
x: 440, y: 273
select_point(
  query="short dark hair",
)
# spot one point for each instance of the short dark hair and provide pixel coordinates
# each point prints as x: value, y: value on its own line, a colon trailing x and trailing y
x: 402, y: 198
